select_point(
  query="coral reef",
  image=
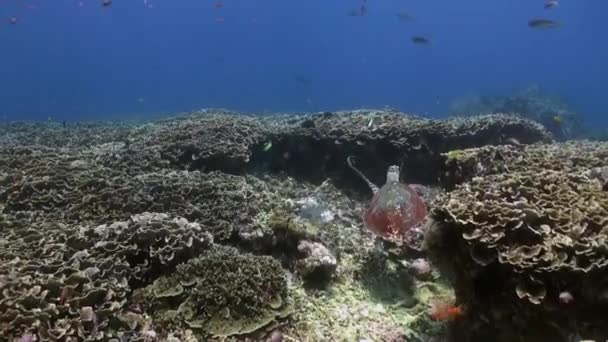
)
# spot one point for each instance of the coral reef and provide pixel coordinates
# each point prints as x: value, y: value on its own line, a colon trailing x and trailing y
x: 77, y: 188
x: 221, y: 293
x: 525, y: 228
x: 63, y: 135
x: 206, y: 140
x: 318, y: 145
x: 176, y: 230
x: 575, y: 156
x: 60, y: 281
x: 532, y: 103
x: 313, y: 146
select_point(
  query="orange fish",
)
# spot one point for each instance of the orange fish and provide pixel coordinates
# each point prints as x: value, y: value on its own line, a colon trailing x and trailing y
x: 445, y: 312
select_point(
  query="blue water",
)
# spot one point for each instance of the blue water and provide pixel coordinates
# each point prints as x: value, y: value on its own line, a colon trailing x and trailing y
x: 73, y: 63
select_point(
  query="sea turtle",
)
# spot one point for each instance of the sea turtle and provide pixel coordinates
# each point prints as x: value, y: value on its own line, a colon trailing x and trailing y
x: 396, y: 207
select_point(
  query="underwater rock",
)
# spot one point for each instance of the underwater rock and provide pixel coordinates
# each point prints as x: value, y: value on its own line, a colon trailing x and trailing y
x: 318, y: 264
x: 421, y: 268
x: 516, y: 239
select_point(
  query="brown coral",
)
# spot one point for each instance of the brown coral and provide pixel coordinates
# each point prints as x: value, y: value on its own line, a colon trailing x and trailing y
x: 75, y: 188
x: 53, y: 275
x: 211, y: 141
x: 524, y: 236
x: 319, y: 144
x: 462, y: 165
x: 221, y: 293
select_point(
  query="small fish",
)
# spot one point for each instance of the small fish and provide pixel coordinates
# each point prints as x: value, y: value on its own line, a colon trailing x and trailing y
x: 541, y: 23
x: 512, y: 141
x: 356, y: 12
x: 557, y: 119
x: 445, y: 312
x: 301, y: 79
x: 363, y: 10
x: 404, y: 16
x: 565, y: 297
x: 13, y: 20
x: 421, y: 40
x: 268, y: 146
x: 219, y: 4
x: 106, y: 3
x: 550, y: 4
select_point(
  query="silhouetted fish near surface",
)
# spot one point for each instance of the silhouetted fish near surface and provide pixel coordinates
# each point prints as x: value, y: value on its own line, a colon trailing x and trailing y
x: 106, y: 3
x: 421, y: 40
x: 302, y: 80
x: 404, y: 16
x: 358, y: 12
x: 549, y: 4
x: 541, y: 23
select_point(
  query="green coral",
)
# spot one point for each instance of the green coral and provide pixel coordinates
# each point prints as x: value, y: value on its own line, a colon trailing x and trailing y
x: 456, y: 155
x: 224, y: 293
x: 292, y: 226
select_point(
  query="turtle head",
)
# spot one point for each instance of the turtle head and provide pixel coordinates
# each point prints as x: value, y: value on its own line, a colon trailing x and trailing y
x: 392, y: 175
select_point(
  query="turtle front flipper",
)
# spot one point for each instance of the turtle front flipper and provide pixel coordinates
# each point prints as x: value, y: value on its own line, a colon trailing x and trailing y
x: 372, y: 186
